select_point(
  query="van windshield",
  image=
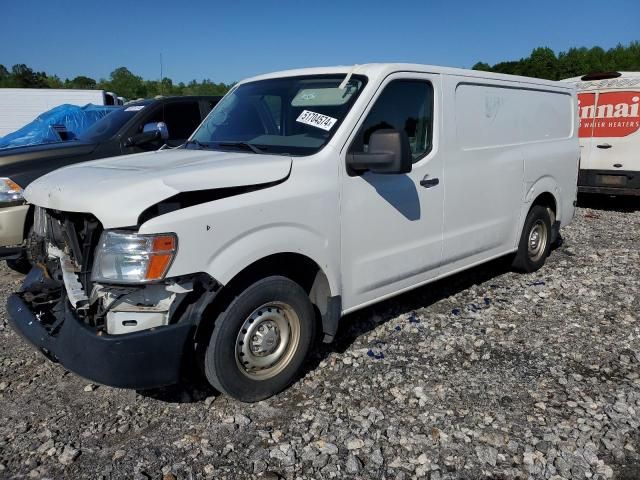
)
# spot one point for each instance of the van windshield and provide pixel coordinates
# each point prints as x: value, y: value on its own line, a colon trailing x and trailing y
x: 292, y: 115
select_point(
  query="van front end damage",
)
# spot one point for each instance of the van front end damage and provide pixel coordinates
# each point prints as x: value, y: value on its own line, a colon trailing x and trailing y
x: 129, y: 336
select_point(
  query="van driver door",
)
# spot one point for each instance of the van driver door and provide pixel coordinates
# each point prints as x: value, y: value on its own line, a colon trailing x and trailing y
x: 392, y: 224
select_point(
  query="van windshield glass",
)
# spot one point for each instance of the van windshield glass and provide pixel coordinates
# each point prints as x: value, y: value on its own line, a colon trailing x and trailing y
x: 293, y: 115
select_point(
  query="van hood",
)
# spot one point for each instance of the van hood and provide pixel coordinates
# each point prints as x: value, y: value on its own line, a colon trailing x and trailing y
x: 117, y: 190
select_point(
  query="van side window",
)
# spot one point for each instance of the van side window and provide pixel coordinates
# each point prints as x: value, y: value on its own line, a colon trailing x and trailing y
x: 403, y: 105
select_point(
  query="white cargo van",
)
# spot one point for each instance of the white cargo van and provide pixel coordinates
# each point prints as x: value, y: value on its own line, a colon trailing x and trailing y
x: 609, y: 132
x: 19, y: 106
x: 303, y: 196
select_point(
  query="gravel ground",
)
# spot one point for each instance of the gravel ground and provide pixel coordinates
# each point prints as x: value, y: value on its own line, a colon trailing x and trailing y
x: 488, y: 374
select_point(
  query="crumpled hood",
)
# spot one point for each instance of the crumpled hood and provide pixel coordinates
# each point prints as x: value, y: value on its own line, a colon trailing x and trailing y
x: 117, y: 190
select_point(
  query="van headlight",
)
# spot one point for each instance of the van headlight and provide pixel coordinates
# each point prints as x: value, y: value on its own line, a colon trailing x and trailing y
x: 125, y: 257
x: 10, y: 191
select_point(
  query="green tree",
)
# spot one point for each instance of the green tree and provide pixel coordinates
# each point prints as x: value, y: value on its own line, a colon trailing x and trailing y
x: 485, y: 67
x: 125, y: 84
x: 574, y: 62
x: 4, y: 76
x: 542, y: 63
x: 54, y: 82
x: 82, y: 82
x: 23, y: 77
x: 597, y: 60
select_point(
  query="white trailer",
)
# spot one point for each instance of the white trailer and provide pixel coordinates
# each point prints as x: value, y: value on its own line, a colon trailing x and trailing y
x: 19, y: 106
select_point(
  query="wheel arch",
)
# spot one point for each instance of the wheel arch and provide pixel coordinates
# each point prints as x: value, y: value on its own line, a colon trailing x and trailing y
x: 547, y: 200
x: 298, y: 267
x: 546, y: 192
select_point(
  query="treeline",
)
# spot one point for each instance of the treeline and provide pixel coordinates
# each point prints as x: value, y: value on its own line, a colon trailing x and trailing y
x: 544, y: 63
x: 121, y: 81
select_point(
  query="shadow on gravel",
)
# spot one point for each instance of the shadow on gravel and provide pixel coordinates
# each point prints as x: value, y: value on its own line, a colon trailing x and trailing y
x: 629, y: 472
x: 609, y: 203
x: 360, y: 323
x: 191, y: 390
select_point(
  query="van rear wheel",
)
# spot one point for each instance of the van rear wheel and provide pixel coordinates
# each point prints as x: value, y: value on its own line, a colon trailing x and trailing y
x: 535, y: 241
x: 260, y: 342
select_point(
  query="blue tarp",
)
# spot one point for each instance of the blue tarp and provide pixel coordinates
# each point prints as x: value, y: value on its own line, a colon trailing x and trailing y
x: 75, y: 120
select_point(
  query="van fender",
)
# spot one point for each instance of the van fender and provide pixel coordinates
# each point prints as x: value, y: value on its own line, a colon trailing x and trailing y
x: 243, y: 250
x: 544, y: 184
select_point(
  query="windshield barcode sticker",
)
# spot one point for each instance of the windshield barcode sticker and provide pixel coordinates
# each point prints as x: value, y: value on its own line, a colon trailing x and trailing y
x: 134, y: 108
x: 316, y: 120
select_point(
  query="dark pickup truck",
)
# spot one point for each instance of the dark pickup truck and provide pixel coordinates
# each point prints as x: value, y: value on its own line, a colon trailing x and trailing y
x: 137, y: 127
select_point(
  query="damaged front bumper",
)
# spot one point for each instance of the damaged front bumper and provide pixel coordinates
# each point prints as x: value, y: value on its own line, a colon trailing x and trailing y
x: 141, y: 360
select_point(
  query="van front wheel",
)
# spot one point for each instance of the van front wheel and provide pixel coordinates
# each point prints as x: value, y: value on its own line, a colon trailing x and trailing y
x: 260, y: 342
x: 535, y: 241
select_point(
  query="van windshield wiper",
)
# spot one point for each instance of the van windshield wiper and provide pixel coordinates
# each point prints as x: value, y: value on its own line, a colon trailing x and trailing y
x: 197, y: 143
x: 245, y: 145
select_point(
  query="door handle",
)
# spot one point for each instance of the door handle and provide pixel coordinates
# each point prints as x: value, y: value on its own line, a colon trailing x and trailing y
x: 604, y: 146
x: 427, y: 182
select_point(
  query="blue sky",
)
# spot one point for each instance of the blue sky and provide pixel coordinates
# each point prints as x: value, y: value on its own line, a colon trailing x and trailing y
x: 227, y: 41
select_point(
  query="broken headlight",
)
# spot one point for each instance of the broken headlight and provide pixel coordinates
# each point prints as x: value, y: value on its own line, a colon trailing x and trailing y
x: 125, y: 257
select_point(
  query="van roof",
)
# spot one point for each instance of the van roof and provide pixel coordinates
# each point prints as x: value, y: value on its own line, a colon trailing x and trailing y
x: 381, y: 70
x: 624, y: 80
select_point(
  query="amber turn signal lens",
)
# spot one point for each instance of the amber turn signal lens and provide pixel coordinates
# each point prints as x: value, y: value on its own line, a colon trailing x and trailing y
x: 158, y: 266
x: 163, y: 249
x: 164, y: 243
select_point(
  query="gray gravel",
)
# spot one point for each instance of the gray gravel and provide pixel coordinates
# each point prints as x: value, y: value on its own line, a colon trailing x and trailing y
x: 488, y: 374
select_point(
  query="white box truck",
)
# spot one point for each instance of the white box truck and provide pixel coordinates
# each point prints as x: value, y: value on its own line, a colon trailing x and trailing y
x: 609, y: 133
x: 19, y: 106
x: 303, y: 196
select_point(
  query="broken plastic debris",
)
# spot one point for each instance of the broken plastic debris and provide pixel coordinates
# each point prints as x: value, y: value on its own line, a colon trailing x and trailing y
x: 377, y: 356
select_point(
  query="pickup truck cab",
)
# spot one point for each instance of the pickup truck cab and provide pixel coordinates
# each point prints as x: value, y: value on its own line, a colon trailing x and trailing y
x: 138, y: 127
x: 303, y: 196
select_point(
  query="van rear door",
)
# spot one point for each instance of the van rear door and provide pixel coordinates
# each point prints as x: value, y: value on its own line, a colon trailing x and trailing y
x: 615, y: 138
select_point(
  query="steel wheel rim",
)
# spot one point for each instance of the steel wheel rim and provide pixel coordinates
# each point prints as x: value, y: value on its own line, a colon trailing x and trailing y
x: 267, y: 340
x: 537, y: 241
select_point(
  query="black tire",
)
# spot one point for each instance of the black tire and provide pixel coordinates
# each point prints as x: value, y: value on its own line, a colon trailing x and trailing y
x: 528, y: 259
x: 262, y: 305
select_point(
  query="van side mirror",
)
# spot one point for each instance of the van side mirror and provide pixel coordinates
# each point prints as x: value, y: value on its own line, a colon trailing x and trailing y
x: 388, y: 152
x: 150, y: 132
